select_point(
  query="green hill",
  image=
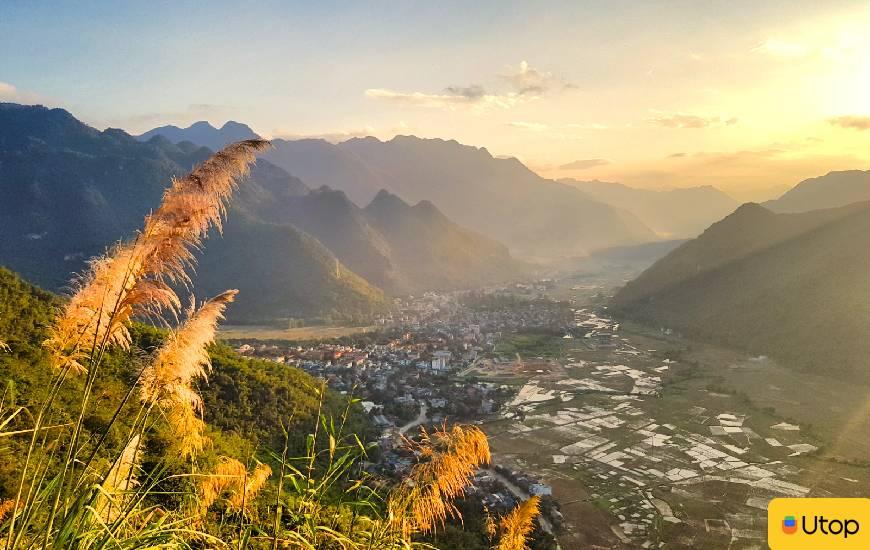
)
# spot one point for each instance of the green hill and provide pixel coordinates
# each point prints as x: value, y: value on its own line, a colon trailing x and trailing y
x: 793, y: 286
x: 67, y: 191
x: 245, y: 400
x: 282, y: 273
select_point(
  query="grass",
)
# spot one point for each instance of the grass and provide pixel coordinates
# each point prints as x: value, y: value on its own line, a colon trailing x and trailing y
x: 530, y: 345
x: 87, y: 488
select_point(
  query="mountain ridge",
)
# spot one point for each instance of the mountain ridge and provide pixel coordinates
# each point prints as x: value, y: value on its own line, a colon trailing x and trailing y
x: 788, y: 285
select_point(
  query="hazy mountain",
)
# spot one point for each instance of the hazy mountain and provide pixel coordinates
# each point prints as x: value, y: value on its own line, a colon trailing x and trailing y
x: 396, y: 246
x: 675, y: 213
x: 788, y: 285
x: 67, y: 191
x: 204, y: 134
x: 430, y: 251
x: 499, y: 198
x: 321, y: 163
x: 828, y: 191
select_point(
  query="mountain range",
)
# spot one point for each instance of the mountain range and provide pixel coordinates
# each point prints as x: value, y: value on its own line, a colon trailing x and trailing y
x: 67, y: 191
x: 828, y: 191
x: 673, y: 214
x: 204, y: 134
x: 793, y: 286
x: 500, y: 198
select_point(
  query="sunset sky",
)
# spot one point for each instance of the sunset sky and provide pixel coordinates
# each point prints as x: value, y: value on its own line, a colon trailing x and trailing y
x: 747, y: 96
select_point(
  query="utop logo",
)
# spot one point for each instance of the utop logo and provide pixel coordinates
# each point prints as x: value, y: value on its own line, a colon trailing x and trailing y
x: 789, y: 525
x: 795, y: 523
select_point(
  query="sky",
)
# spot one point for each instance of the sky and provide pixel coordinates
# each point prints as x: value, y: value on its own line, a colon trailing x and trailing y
x: 749, y: 96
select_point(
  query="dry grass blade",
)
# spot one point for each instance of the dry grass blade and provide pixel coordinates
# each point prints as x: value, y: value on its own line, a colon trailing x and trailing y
x: 182, y: 359
x: 228, y: 473
x: 119, y: 481
x: 516, y: 526
x: 243, y: 499
x: 450, y: 457
x: 134, y: 278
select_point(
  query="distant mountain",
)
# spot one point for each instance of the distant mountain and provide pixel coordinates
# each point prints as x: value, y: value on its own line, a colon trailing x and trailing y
x: 281, y: 273
x: 793, y: 286
x: 67, y: 191
x: 396, y: 246
x: 203, y: 134
x: 321, y: 163
x: 828, y: 191
x: 675, y: 213
x: 430, y: 251
x: 499, y: 198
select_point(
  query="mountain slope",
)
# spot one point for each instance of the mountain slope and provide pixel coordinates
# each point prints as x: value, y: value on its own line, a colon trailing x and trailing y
x: 789, y: 285
x: 499, y: 198
x: 282, y: 273
x: 68, y: 191
x: 675, y: 213
x: 828, y: 191
x: 203, y: 134
x: 385, y: 254
x: 323, y: 164
x: 245, y: 402
x: 431, y: 251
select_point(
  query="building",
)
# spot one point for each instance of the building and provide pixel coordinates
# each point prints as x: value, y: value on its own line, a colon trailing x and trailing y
x: 539, y: 489
x: 440, y: 361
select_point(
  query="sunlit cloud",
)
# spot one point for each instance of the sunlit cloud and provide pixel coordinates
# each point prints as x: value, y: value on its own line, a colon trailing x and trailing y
x: 684, y: 120
x: 584, y: 164
x: 853, y: 122
x: 526, y: 80
x: 452, y: 98
x: 8, y: 92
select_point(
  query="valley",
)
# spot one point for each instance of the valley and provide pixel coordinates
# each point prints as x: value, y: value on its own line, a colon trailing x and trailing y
x: 646, y: 437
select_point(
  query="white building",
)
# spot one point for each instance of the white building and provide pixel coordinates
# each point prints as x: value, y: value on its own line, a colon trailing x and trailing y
x: 539, y: 489
x: 440, y: 361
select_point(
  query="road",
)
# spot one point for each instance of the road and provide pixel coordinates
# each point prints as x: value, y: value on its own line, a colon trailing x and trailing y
x: 421, y: 419
x: 522, y: 495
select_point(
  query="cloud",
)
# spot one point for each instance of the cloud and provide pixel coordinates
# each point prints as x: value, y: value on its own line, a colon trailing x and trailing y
x: 526, y: 80
x: 851, y: 121
x: 453, y: 97
x: 525, y: 83
x: 473, y: 92
x: 683, y: 120
x: 8, y: 92
x: 676, y: 155
x: 584, y: 164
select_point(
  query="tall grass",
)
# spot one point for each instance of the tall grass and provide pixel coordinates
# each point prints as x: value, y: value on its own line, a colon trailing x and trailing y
x: 84, y: 489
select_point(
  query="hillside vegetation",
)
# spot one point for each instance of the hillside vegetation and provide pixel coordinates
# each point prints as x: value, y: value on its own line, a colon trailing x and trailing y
x: 792, y: 286
x: 112, y: 441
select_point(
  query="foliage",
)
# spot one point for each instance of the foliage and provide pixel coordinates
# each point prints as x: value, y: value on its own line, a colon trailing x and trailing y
x: 110, y: 443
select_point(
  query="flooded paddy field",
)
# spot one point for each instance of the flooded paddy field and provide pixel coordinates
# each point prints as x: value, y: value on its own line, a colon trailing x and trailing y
x: 646, y: 438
